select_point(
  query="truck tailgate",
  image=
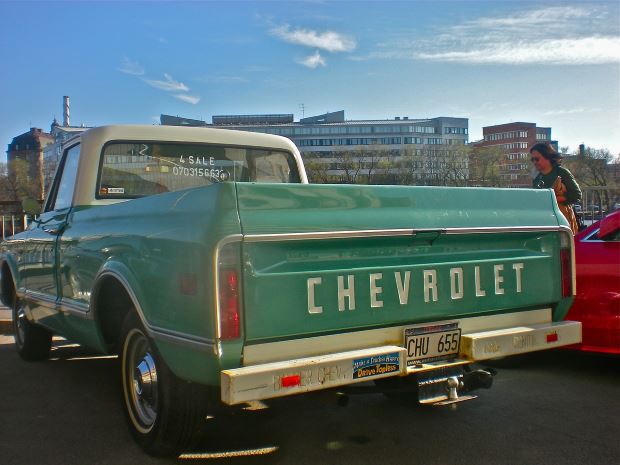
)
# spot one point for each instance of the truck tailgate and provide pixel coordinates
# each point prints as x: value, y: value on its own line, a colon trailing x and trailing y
x: 320, y: 259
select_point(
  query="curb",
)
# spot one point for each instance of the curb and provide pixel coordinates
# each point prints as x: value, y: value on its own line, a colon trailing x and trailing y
x: 6, y: 327
x: 6, y: 321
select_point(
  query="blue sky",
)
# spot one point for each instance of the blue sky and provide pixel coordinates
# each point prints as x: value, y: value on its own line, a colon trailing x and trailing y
x: 553, y: 63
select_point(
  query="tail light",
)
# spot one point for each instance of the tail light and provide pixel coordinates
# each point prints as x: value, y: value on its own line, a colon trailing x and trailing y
x: 229, y: 293
x: 566, y: 259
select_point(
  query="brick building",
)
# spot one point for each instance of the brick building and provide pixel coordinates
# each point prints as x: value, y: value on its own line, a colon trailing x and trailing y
x: 29, y: 148
x: 514, y: 141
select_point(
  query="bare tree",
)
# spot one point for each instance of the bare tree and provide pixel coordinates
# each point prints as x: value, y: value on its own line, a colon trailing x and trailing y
x: 455, y: 165
x: 16, y: 183
x: 316, y: 169
x: 349, y: 165
x: 434, y: 165
x: 375, y: 165
x: 593, y: 168
x: 484, y: 166
x: 386, y: 171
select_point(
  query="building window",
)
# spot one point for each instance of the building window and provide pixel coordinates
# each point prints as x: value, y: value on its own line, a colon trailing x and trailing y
x: 455, y: 131
x: 506, y: 135
x: 424, y: 129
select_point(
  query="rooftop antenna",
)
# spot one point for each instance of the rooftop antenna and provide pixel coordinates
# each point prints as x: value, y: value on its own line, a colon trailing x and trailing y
x: 303, y: 110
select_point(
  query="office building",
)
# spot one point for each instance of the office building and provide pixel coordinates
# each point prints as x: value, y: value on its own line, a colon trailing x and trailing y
x: 423, y: 147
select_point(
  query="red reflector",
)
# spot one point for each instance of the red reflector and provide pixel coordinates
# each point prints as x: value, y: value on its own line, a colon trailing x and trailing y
x: 188, y: 284
x: 290, y: 381
x: 553, y: 337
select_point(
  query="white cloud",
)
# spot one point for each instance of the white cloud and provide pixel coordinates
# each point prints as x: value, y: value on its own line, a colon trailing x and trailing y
x: 223, y: 79
x: 168, y: 85
x: 131, y: 67
x: 313, y: 60
x: 188, y: 98
x: 329, y: 40
x: 580, y: 51
x: 561, y: 35
x: 552, y: 16
x: 571, y: 111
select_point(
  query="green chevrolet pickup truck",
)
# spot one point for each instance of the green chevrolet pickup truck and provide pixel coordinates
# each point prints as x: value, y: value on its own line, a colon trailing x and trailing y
x: 220, y: 277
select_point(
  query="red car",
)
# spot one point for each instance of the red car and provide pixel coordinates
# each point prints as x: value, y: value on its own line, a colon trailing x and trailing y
x: 597, y: 303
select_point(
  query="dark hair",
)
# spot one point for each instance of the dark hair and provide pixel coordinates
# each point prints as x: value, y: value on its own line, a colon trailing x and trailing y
x: 547, y: 151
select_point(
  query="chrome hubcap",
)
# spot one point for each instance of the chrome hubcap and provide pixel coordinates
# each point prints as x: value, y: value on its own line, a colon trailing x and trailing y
x: 141, y: 376
x: 20, y: 323
x: 145, y: 377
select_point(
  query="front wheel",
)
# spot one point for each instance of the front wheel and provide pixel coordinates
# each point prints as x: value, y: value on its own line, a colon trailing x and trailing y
x: 165, y: 415
x: 33, y: 342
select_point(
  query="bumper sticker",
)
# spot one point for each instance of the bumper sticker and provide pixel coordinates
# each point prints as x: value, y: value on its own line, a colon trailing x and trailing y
x: 375, y: 365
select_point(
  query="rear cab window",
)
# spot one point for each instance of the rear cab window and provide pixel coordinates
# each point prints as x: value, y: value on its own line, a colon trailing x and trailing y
x: 137, y: 169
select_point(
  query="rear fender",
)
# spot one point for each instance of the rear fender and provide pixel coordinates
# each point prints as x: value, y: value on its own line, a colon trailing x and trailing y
x: 8, y: 261
x: 186, y: 355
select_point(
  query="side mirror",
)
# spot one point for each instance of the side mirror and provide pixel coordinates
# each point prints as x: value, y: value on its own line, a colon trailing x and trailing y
x: 31, y: 206
x: 609, y: 227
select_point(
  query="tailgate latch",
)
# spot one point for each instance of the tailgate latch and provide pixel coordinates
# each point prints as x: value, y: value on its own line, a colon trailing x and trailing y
x: 427, y: 235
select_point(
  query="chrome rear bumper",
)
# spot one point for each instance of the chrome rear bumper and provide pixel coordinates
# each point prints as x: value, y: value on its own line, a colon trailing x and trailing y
x: 277, y: 379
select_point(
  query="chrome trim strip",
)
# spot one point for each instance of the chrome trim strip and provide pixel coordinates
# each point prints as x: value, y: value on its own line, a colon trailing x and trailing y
x: 571, y: 241
x: 589, y: 236
x: 184, y: 339
x: 76, y: 308
x: 65, y: 306
x: 505, y: 229
x: 40, y: 298
x: 394, y: 232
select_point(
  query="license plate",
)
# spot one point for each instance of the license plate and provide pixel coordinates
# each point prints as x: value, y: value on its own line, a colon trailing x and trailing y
x: 432, y: 343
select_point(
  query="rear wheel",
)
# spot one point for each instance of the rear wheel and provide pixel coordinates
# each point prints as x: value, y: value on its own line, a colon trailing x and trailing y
x: 165, y: 414
x: 33, y: 342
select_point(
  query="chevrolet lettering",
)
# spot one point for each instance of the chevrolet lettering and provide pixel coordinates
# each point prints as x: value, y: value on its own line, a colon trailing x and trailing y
x: 432, y: 284
x: 205, y: 260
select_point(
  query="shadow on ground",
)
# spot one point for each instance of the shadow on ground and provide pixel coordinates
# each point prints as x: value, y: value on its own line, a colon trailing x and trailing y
x: 68, y: 411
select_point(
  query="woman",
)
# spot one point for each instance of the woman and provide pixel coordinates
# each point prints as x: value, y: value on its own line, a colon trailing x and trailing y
x: 553, y: 176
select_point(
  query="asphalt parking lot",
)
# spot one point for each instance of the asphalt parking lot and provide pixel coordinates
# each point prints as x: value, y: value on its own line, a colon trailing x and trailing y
x: 556, y: 408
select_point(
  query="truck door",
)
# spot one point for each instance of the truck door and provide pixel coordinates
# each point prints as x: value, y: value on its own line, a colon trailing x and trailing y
x: 41, y: 281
